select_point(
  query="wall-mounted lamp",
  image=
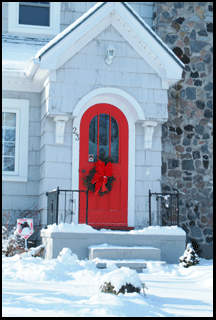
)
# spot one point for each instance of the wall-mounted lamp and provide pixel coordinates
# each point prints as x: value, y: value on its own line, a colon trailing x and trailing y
x: 110, y: 54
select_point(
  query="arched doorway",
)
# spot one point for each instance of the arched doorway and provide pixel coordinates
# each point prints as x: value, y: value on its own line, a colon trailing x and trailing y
x: 104, y: 133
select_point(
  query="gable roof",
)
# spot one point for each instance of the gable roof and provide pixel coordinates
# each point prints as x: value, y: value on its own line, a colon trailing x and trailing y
x: 127, y: 22
x: 89, y: 13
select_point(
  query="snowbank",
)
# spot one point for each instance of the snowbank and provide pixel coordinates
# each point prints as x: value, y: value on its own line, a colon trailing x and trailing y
x: 83, y: 228
x: 120, y: 277
x: 66, y: 287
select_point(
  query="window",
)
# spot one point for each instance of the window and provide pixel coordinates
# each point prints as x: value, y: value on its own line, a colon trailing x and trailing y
x: 9, y: 141
x: 37, y: 18
x: 15, y: 123
x: 34, y: 13
x: 104, y: 137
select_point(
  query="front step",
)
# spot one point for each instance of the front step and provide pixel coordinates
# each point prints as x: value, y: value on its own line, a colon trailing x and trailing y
x: 137, y: 265
x: 110, y: 252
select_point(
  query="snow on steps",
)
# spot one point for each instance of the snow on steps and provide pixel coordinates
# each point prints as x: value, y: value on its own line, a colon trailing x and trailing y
x: 137, y: 264
x: 133, y: 257
x: 105, y: 251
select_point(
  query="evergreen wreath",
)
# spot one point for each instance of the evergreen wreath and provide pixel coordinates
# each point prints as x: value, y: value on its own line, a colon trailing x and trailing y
x: 100, y: 177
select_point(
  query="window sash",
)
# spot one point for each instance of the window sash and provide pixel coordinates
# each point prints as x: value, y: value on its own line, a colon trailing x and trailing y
x: 16, y: 142
x: 37, y: 19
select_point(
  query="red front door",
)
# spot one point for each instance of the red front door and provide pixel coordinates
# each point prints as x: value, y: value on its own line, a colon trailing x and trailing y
x: 104, y: 130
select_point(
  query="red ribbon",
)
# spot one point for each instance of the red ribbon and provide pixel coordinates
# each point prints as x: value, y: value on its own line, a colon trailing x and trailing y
x: 102, y: 173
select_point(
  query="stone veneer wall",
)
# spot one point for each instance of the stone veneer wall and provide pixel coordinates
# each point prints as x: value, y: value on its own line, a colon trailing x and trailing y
x: 187, y: 136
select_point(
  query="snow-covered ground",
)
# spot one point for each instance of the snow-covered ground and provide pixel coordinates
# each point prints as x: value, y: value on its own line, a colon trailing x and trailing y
x: 67, y: 287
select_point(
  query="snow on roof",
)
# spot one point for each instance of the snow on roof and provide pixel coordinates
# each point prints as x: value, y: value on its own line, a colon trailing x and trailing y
x: 17, y: 51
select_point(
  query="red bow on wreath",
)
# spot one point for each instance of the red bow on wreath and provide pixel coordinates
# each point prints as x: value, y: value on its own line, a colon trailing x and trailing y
x: 100, y: 177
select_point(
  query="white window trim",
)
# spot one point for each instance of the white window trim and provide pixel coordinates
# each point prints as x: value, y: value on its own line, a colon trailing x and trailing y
x: 21, y: 107
x: 52, y: 30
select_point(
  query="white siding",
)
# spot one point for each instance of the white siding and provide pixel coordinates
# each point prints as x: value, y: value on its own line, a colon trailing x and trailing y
x: 24, y: 195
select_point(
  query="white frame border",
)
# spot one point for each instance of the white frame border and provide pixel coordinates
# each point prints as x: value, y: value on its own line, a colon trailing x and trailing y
x: 22, y: 106
x: 52, y: 30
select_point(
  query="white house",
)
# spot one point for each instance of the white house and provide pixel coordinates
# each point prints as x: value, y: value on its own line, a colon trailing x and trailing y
x: 100, y: 85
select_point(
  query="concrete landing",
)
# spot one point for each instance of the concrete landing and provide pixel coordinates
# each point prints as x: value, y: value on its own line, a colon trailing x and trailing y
x: 171, y: 241
x: 110, y: 252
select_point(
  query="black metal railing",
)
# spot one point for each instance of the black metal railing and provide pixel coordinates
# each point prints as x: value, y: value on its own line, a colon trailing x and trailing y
x: 61, y: 205
x: 166, y: 209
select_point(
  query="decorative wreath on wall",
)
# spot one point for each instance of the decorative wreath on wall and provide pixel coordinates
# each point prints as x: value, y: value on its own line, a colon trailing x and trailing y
x: 100, y: 177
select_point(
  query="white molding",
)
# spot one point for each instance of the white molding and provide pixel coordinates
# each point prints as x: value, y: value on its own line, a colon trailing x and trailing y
x: 60, y: 127
x: 81, y: 42
x: 174, y: 70
x: 140, y: 48
x: 22, y: 106
x: 135, y: 108
x: 148, y: 133
x: 108, y: 95
x: 16, y: 81
x: 15, y: 28
x: 74, y: 42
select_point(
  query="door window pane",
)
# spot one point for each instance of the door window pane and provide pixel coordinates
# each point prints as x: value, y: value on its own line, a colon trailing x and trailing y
x: 93, y: 139
x: 108, y: 143
x: 114, y: 140
x: 104, y: 135
x: 34, y: 13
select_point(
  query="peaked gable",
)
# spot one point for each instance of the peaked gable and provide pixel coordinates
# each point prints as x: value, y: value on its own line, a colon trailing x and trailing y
x: 127, y: 22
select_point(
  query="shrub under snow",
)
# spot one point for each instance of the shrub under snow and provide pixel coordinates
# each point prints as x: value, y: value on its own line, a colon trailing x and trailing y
x: 189, y: 258
x: 12, y: 243
x: 120, y: 281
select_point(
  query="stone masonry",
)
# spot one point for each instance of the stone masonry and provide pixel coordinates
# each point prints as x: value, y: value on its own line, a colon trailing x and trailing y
x: 187, y: 28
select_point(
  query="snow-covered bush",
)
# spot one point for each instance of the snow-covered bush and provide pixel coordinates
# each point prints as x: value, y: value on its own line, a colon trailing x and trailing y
x: 33, y: 252
x: 121, y: 281
x: 189, y: 258
x: 12, y: 243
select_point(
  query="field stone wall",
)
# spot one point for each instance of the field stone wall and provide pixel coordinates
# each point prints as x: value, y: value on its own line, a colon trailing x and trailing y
x: 187, y: 28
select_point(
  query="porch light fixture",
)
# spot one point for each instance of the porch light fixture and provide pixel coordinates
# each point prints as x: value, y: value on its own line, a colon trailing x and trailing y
x: 110, y: 54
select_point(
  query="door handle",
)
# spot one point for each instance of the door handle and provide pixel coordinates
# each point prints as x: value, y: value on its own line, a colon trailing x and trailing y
x: 83, y: 170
